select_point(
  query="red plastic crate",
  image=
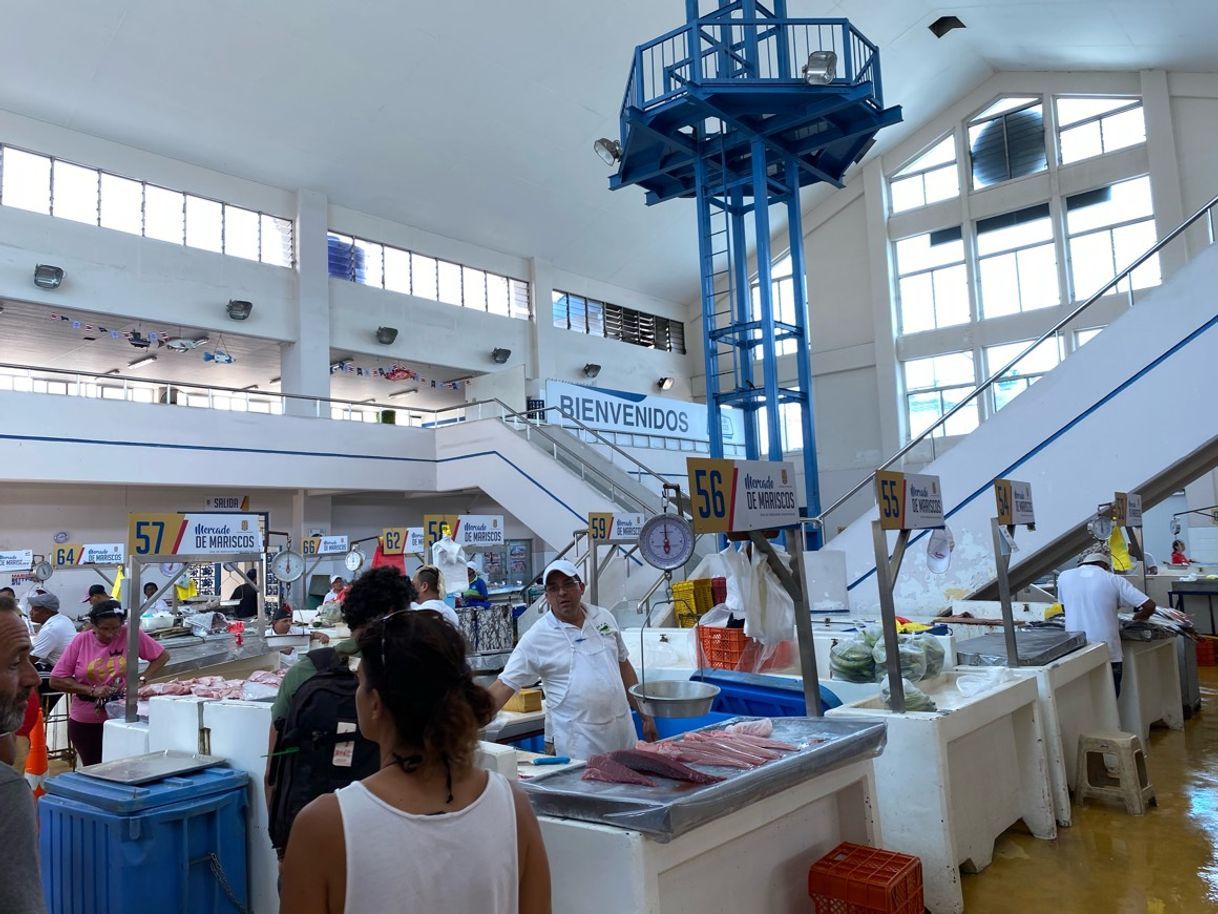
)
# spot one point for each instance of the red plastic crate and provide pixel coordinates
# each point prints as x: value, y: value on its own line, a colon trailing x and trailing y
x: 1207, y: 651
x: 852, y: 879
x: 722, y: 648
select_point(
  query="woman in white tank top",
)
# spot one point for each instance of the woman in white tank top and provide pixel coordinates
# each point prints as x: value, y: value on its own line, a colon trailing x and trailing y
x: 429, y: 832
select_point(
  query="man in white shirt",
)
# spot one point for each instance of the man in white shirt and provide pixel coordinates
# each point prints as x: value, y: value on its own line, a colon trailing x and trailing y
x: 57, y: 630
x: 1092, y: 596
x: 578, y: 654
x: 336, y: 590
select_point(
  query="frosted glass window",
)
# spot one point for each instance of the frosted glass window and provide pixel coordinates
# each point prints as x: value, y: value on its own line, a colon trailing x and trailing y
x: 932, y: 289
x: 449, y: 282
x: 241, y: 233
x: 473, y: 288
x: 1090, y: 127
x: 277, y: 245
x: 498, y: 300
x: 122, y: 204
x: 1017, y: 266
x: 26, y: 181
x: 931, y: 177
x: 204, y: 224
x: 164, y: 214
x: 423, y: 277
x: 374, y: 264
x: 1109, y: 229
x: 76, y: 193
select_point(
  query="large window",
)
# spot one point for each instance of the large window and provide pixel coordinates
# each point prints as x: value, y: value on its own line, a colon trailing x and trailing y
x: 790, y: 429
x: 613, y: 322
x: 1109, y: 228
x: 935, y: 385
x: 929, y: 178
x: 1016, y: 262
x: 782, y: 301
x: 933, y: 282
x: 371, y: 263
x: 44, y: 184
x: 1090, y: 126
x: 1007, y: 140
x: 1024, y: 373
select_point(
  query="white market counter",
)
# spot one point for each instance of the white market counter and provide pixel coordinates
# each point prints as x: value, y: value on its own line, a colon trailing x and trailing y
x: 951, y: 781
x: 1076, y: 696
x: 1150, y: 687
x: 752, y: 861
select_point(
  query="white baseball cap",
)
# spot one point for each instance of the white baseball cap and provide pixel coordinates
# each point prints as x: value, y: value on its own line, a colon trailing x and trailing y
x: 939, y: 547
x: 563, y: 567
x: 1099, y: 556
x: 335, y: 578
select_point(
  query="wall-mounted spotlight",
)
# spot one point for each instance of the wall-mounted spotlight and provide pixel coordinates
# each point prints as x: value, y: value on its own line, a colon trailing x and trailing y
x: 500, y: 356
x: 609, y: 150
x: 386, y: 335
x: 664, y: 383
x: 47, y: 276
x: 591, y: 370
x: 821, y: 68
x: 238, y: 310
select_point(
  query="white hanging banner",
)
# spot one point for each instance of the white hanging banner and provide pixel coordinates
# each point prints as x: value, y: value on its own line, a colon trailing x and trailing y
x: 16, y: 560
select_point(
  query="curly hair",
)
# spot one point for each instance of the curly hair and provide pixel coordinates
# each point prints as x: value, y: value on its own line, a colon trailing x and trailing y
x: 416, y: 662
x: 376, y: 593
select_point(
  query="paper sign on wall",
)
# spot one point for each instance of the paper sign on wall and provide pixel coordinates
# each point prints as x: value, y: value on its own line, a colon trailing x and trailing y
x: 735, y: 496
x: 194, y: 534
x: 908, y: 501
x: 479, y: 530
x: 63, y: 554
x: 606, y: 527
x: 16, y: 560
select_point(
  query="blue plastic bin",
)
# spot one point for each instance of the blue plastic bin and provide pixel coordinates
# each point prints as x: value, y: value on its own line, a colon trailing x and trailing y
x: 177, y: 845
x: 759, y: 695
x: 672, y: 726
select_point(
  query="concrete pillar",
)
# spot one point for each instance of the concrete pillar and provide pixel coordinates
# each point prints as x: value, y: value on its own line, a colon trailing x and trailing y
x: 305, y: 363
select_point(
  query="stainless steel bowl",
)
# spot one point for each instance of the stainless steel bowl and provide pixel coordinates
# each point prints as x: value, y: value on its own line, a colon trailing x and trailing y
x: 674, y: 698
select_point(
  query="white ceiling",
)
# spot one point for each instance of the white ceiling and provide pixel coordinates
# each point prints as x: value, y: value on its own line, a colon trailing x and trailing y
x: 476, y: 121
x: 31, y: 336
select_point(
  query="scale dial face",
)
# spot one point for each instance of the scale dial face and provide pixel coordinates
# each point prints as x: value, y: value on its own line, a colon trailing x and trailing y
x: 170, y: 568
x: 354, y: 560
x: 288, y: 566
x: 1101, y: 528
x: 666, y: 541
x: 43, y: 571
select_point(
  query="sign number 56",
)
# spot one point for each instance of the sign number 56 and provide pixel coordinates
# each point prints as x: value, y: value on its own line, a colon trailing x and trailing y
x: 708, y: 486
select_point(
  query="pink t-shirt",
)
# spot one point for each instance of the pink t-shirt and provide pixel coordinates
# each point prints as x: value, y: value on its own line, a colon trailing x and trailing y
x: 89, y: 661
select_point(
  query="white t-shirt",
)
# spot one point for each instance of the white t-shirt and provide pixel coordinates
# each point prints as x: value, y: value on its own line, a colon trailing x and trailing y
x: 544, y: 651
x: 1091, y: 597
x: 53, y: 638
x: 449, y: 614
x: 330, y: 597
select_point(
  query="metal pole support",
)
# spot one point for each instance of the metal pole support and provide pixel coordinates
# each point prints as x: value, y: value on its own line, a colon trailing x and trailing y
x: 886, y: 571
x: 1002, y: 564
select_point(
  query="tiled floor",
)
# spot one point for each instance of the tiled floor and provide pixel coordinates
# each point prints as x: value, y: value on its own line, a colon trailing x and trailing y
x: 1165, y: 862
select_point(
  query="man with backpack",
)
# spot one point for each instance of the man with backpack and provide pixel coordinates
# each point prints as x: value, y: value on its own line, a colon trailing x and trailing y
x: 315, y: 743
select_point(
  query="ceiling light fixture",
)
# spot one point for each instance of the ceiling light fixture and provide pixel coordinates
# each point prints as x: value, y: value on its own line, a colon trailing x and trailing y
x: 250, y: 387
x: 609, y: 150
x: 47, y: 276
x: 274, y: 380
x: 500, y: 356
x: 386, y: 335
x: 113, y: 371
x: 665, y: 383
x: 591, y: 370
x: 821, y: 68
x: 945, y: 24
x: 238, y: 310
x: 403, y: 393
x: 141, y: 362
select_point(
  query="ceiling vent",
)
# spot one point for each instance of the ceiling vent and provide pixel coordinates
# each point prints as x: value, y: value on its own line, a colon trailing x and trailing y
x: 945, y: 24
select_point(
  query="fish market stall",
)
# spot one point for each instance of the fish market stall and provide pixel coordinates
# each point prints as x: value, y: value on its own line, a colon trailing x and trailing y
x: 953, y: 779
x: 746, y: 840
x: 1150, y: 683
x: 1075, y: 692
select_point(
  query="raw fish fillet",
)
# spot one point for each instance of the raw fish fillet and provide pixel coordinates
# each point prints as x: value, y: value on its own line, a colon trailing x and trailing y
x: 761, y: 727
x: 762, y: 743
x: 653, y: 763
x: 603, y: 768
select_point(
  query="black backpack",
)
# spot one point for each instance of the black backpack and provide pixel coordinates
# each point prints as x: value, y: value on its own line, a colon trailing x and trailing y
x: 303, y: 768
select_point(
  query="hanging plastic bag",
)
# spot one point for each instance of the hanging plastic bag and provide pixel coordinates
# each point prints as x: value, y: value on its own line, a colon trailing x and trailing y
x: 733, y: 568
x: 450, y: 559
x: 1120, y: 550
x: 915, y: 698
x: 852, y: 661
x: 772, y: 618
x: 912, y: 657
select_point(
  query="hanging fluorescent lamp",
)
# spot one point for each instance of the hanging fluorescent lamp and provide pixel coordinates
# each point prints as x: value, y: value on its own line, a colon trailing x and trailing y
x: 609, y: 150
x: 821, y: 68
x: 140, y: 363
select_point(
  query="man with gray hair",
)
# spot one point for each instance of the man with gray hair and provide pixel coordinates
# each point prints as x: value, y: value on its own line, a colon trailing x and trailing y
x: 20, y: 884
x: 1092, y: 596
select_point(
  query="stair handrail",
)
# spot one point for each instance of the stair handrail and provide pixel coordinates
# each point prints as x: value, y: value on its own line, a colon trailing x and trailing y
x: 1206, y: 210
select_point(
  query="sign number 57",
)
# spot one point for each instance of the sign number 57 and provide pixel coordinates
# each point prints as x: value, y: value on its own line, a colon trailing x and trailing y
x: 149, y: 534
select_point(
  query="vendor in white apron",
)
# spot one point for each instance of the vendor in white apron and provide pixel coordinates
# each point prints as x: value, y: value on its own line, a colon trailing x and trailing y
x: 578, y: 654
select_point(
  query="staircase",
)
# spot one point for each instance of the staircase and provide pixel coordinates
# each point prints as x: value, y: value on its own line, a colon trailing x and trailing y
x: 1114, y: 416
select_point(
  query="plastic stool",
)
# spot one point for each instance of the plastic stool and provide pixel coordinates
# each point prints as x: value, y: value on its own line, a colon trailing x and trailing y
x: 1130, y: 785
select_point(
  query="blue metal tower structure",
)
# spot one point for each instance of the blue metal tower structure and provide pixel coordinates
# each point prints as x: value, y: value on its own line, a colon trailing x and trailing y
x: 740, y: 108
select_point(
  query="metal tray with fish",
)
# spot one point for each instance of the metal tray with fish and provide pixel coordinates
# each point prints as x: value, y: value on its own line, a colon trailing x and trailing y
x: 672, y: 808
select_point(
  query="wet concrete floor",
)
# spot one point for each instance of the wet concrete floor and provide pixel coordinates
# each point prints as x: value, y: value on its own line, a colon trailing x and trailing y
x: 1165, y: 862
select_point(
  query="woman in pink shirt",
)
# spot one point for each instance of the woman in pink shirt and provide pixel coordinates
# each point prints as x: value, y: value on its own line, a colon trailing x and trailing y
x: 93, y: 670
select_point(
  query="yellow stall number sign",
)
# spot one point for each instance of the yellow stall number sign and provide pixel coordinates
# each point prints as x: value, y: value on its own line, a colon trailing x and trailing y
x: 434, y: 527
x: 154, y: 534
x: 65, y: 554
x: 393, y: 540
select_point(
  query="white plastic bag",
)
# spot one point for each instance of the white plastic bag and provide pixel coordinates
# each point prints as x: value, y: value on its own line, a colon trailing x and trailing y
x: 450, y: 559
x: 733, y: 568
x: 771, y: 618
x: 985, y: 679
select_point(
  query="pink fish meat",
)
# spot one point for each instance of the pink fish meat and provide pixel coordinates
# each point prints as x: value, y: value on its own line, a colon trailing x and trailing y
x: 654, y: 763
x: 604, y: 768
x: 763, y: 743
x: 763, y: 727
